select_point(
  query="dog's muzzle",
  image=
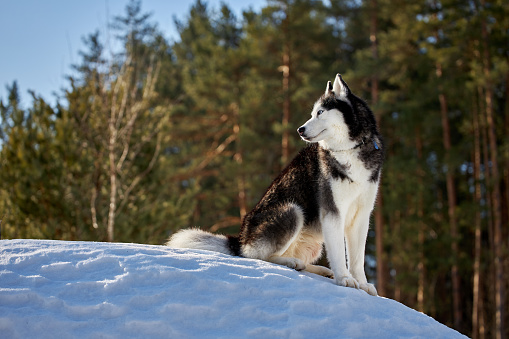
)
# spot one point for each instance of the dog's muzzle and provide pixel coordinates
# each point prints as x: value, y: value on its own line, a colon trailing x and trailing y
x: 301, y: 130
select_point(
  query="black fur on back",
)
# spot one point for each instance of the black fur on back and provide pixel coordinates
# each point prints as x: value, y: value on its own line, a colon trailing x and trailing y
x: 297, y: 184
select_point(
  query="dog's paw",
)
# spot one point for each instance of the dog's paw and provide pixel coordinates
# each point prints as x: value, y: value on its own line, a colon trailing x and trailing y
x: 320, y: 270
x: 369, y: 288
x: 324, y: 271
x: 295, y: 263
x: 347, y: 281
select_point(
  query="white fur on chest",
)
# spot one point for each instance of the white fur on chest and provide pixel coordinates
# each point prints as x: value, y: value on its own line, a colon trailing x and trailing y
x: 353, y: 166
x: 358, y: 192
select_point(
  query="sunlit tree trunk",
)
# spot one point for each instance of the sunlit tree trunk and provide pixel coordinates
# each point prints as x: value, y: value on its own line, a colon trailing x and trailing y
x: 285, y: 69
x: 451, y: 201
x: 241, y: 180
x: 123, y: 147
x: 113, y: 179
x: 381, y: 275
x: 495, y: 192
x: 477, y: 325
x: 421, y: 266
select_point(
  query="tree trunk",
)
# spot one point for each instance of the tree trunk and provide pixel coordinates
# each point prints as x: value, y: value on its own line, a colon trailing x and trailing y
x: 285, y: 68
x: 285, y: 142
x: 486, y: 161
x: 381, y: 276
x: 496, y: 196
x: 505, y: 174
x: 497, y: 218
x: 451, y: 202
x: 477, y: 327
x: 241, y: 182
x: 396, y: 260
x: 421, y: 266
x: 113, y: 179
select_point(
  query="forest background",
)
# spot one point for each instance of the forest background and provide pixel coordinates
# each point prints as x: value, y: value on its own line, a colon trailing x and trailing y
x: 160, y: 136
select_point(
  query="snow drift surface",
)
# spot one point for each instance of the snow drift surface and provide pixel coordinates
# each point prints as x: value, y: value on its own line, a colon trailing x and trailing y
x: 57, y: 289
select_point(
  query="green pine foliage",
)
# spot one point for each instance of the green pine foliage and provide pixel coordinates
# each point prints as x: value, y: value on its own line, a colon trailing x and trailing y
x: 167, y: 135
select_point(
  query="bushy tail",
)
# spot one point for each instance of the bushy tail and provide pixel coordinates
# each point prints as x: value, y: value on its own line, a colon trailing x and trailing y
x: 195, y: 238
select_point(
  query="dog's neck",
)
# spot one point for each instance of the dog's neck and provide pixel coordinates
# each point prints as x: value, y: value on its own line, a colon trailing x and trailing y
x: 365, y: 141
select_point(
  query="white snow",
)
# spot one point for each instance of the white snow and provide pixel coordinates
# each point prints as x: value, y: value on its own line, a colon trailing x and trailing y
x: 60, y: 289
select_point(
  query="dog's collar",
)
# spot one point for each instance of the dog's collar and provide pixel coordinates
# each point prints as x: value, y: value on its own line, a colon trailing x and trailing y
x: 362, y: 143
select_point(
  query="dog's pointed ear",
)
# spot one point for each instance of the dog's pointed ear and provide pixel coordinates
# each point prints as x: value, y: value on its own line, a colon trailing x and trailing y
x: 340, y: 87
x: 329, y: 87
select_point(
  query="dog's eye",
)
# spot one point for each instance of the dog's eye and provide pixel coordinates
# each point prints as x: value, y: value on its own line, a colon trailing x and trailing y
x: 319, y: 112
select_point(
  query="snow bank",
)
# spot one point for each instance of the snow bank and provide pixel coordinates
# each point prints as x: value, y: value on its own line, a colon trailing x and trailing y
x: 58, y: 289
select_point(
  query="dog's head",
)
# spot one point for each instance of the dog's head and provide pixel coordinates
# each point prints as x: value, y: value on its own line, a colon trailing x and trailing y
x: 339, y: 118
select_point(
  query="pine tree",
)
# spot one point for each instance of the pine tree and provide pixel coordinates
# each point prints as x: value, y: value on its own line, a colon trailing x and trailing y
x: 212, y: 67
x: 33, y: 172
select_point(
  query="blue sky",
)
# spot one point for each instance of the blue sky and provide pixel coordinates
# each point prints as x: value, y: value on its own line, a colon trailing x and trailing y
x: 39, y: 40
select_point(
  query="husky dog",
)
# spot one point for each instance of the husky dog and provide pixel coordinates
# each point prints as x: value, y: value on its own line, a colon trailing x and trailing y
x: 325, y: 195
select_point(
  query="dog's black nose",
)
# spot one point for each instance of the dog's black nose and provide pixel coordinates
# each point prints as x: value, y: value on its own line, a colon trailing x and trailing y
x: 301, y: 130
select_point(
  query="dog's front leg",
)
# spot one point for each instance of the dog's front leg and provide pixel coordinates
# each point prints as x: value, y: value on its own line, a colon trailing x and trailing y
x: 333, y: 228
x: 356, y: 233
x: 356, y: 236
